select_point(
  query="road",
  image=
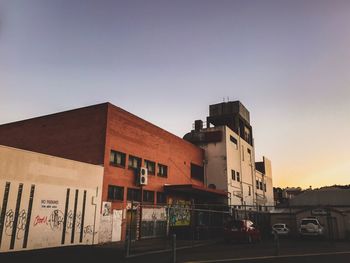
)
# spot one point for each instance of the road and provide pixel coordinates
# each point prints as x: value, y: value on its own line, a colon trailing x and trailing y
x: 297, y: 251
x: 290, y: 251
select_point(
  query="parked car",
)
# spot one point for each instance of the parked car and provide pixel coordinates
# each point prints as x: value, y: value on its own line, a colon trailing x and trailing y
x: 241, y: 230
x: 310, y: 226
x: 280, y: 229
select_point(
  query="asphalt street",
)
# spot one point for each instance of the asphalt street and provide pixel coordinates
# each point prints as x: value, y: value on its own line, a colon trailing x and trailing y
x: 289, y: 251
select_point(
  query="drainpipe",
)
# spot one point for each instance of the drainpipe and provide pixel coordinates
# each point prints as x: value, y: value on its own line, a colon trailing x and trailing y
x: 93, y: 232
x: 240, y: 162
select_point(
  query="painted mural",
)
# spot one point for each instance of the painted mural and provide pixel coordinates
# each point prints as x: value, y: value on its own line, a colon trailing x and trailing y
x: 180, y: 213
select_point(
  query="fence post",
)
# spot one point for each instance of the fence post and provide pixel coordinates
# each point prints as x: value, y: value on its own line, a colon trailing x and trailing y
x: 330, y: 227
x: 277, y: 243
x: 128, y: 236
x: 174, y: 249
x: 192, y: 222
x: 127, y: 246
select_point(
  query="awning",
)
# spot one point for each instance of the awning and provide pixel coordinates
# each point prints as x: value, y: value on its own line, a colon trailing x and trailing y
x: 195, y: 190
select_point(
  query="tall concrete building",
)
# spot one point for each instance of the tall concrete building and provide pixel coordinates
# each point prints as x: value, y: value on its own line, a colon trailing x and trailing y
x: 230, y: 163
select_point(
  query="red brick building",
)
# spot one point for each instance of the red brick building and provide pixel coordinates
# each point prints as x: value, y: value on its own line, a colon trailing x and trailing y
x: 106, y: 135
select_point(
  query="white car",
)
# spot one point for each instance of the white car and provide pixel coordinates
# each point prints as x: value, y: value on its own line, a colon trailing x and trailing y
x: 280, y: 229
x: 310, y: 226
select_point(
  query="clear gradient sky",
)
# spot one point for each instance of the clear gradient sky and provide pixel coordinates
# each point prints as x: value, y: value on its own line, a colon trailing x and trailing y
x: 166, y: 61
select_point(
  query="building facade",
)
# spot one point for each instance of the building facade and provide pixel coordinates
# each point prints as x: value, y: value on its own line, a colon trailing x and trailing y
x: 230, y: 162
x: 46, y: 201
x: 124, y: 145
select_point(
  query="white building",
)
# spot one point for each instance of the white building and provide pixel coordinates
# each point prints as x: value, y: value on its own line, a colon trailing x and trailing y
x: 230, y: 156
x: 47, y: 201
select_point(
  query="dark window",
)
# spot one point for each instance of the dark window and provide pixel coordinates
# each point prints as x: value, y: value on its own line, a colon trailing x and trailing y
x: 115, y: 193
x: 161, y: 198
x: 233, y: 175
x: 257, y: 184
x: 134, y: 162
x: 117, y: 158
x: 264, y: 187
x: 134, y: 195
x: 197, y: 172
x: 151, y: 167
x: 238, y: 177
x: 261, y: 185
x: 249, y: 191
x: 148, y: 196
x: 234, y: 141
x: 162, y: 170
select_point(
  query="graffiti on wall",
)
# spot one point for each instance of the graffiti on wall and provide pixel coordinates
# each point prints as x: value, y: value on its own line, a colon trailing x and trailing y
x: 180, y: 213
x: 56, y: 218
x: 21, y: 223
x: 154, y: 214
x: 107, y: 207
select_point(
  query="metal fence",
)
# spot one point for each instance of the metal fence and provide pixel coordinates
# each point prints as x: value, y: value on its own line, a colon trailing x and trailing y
x: 189, y: 221
x: 154, y: 227
x: 195, y: 222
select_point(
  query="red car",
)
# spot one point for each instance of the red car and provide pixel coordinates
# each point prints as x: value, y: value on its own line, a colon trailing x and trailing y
x: 241, y: 230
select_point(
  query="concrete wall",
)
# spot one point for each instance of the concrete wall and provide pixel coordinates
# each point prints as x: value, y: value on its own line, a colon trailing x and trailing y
x: 224, y: 156
x: 239, y: 160
x: 36, y: 208
x: 215, y: 159
x: 268, y: 180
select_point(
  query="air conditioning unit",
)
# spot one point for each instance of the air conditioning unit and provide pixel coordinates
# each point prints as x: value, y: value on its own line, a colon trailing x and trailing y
x: 143, y: 176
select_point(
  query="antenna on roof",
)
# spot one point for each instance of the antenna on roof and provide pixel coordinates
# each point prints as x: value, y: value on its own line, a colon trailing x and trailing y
x: 228, y: 98
x: 223, y: 99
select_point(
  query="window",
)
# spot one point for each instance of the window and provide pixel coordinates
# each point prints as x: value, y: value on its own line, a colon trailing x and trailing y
x: 161, y: 198
x: 246, y: 134
x: 249, y: 154
x: 162, y: 170
x: 151, y: 167
x: 257, y: 184
x: 133, y: 195
x: 264, y: 187
x: 134, y: 162
x: 238, y: 177
x: 148, y: 196
x: 233, y: 175
x: 117, y: 158
x: 261, y: 185
x: 242, y: 153
x: 115, y: 193
x: 234, y: 141
x: 197, y: 172
x: 249, y: 191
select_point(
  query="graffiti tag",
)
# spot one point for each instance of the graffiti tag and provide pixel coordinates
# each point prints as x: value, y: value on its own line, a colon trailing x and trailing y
x: 21, y: 223
x: 56, y: 220
x: 40, y: 220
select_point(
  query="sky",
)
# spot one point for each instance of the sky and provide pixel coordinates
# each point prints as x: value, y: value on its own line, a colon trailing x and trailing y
x: 288, y: 62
